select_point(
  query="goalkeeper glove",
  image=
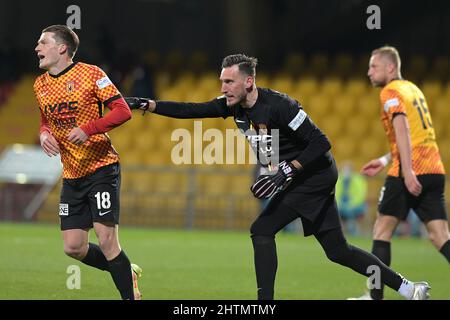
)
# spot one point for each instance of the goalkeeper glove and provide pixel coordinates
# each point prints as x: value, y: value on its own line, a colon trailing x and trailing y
x: 138, y: 103
x: 266, y: 185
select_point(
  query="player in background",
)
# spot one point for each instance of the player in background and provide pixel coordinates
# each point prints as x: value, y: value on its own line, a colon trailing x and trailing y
x: 303, y: 182
x: 416, y: 178
x: 71, y: 96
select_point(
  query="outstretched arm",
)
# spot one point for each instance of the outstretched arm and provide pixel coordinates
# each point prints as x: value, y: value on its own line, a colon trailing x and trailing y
x: 119, y: 114
x: 215, y: 108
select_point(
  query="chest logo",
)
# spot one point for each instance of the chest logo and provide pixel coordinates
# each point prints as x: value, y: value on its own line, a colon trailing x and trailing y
x: 70, y: 87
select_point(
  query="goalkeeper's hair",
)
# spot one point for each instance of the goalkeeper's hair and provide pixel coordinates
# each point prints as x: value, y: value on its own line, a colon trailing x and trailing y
x: 246, y: 64
x: 389, y: 53
x: 63, y: 34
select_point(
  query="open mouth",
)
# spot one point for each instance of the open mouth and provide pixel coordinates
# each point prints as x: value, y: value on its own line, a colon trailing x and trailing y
x: 40, y: 56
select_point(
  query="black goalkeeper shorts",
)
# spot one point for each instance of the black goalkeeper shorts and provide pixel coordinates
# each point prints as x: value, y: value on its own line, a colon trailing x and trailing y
x: 309, y: 197
x: 395, y: 200
x: 92, y: 198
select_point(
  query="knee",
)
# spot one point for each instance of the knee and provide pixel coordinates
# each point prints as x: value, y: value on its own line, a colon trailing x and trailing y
x: 437, y: 239
x: 261, y: 229
x: 75, y: 251
x: 254, y: 229
x: 339, y: 254
x: 262, y: 240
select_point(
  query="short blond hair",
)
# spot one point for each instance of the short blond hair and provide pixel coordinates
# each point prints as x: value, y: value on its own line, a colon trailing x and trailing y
x: 390, y: 53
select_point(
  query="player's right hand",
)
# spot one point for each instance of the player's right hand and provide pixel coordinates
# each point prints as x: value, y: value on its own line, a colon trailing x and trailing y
x: 141, y: 104
x: 412, y: 183
x: 49, y: 144
x: 372, y: 168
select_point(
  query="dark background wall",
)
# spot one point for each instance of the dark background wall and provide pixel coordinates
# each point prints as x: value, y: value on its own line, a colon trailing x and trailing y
x: 268, y: 29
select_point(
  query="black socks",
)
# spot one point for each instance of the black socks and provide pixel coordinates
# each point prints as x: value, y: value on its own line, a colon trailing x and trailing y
x: 381, y: 249
x: 120, y: 269
x: 95, y: 258
x: 265, y: 265
x: 445, y: 250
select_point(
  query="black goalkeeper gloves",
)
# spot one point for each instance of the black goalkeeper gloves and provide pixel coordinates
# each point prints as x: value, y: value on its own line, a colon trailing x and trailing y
x: 266, y: 185
x: 138, y: 103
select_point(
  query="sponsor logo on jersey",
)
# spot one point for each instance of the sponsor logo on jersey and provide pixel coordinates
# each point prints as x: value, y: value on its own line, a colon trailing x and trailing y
x: 103, y: 82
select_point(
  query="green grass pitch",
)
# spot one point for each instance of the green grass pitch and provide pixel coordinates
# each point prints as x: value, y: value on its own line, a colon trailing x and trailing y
x: 180, y: 264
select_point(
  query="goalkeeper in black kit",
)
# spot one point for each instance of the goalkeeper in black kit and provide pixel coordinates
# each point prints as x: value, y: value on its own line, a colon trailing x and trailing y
x: 301, y: 184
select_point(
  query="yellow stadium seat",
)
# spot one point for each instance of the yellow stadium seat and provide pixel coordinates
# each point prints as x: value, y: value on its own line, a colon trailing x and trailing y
x: 212, y: 184
x: 432, y: 88
x: 144, y: 142
x: 318, y: 106
x: 294, y: 63
x: 441, y: 109
x: 343, y: 64
x: 441, y: 67
x: 157, y: 157
x: 198, y: 61
x: 444, y: 148
x: 440, y: 128
x: 209, y: 82
x: 446, y: 90
x: 343, y: 106
x: 376, y: 129
x: 282, y: 83
x: 357, y: 126
x: 139, y: 181
x: 197, y: 96
x: 170, y: 182
x: 344, y: 148
x: 132, y: 158
x: 416, y: 67
x: 356, y: 87
x: 122, y: 141
x: 263, y: 80
x: 318, y: 64
x: 368, y: 106
x: 240, y: 185
x: 331, y: 86
x: 371, y: 147
x: 306, y: 86
x: 211, y: 123
x: 332, y: 127
x: 171, y: 94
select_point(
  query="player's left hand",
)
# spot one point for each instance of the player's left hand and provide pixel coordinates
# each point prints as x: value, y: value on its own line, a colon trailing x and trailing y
x: 77, y: 136
x: 266, y: 185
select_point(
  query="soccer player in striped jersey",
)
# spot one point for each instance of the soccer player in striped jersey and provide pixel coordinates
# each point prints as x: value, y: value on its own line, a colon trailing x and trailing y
x: 71, y: 96
x: 416, y: 177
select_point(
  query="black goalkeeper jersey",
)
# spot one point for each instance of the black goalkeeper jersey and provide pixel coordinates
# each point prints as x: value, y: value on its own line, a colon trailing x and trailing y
x: 274, y: 112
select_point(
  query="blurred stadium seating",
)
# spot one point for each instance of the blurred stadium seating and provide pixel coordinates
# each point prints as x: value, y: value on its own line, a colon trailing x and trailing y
x: 334, y: 90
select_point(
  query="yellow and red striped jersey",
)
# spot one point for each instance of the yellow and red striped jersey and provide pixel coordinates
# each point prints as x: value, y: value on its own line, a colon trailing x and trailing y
x: 71, y: 99
x: 404, y: 97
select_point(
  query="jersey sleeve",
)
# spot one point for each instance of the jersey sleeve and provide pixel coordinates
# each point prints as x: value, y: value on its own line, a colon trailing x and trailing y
x: 104, y: 89
x: 292, y: 118
x: 215, y: 108
x: 392, y: 103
